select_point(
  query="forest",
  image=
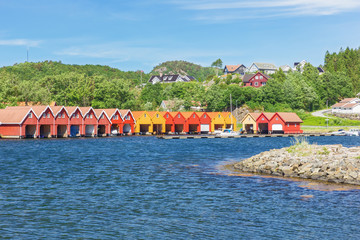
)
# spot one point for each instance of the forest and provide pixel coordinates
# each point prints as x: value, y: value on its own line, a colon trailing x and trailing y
x: 106, y: 87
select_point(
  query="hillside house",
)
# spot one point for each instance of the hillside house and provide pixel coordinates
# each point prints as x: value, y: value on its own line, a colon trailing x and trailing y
x: 238, y: 69
x: 170, y: 78
x: 267, y: 68
x: 255, y: 80
x: 347, y: 106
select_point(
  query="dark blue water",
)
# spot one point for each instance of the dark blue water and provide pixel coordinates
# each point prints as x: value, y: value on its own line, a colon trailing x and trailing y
x: 145, y: 188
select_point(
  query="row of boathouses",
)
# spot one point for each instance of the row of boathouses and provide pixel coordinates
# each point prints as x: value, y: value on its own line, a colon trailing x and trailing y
x: 61, y: 121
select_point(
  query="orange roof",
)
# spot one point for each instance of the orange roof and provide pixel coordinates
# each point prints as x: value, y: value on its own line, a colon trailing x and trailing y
x: 173, y: 114
x: 56, y: 109
x: 98, y: 112
x: 226, y: 114
x: 123, y: 112
x: 290, y: 117
x: 13, y: 116
x: 152, y: 113
x: 254, y: 115
x: 84, y: 110
x: 350, y: 105
x: 214, y: 114
x: 187, y: 114
x: 232, y: 68
x: 110, y: 111
x: 268, y: 115
x: 137, y: 114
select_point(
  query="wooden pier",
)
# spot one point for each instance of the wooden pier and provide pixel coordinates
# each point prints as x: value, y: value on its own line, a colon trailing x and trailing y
x: 246, y: 136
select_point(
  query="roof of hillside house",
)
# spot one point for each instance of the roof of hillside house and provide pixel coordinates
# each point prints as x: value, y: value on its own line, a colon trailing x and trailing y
x: 233, y: 68
x: 13, y: 116
x: 340, y: 104
x: 350, y: 105
x: 265, y: 66
x: 346, y: 100
x: 285, y: 68
x: 169, y: 104
x: 171, y: 78
x: 247, y: 77
x: 290, y: 117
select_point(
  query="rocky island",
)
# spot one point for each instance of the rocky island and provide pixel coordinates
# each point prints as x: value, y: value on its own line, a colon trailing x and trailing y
x: 331, y: 163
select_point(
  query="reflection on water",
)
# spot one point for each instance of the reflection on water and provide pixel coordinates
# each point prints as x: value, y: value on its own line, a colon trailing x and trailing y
x: 145, y: 188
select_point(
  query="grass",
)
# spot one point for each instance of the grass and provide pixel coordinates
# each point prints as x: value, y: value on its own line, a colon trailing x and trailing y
x: 310, y: 120
x: 300, y: 146
x: 324, y: 151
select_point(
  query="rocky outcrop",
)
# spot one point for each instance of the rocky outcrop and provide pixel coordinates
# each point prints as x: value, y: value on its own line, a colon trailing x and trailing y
x: 332, y: 163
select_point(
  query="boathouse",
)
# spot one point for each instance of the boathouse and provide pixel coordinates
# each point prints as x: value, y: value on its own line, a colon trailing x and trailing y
x: 104, y: 123
x: 230, y: 121
x: 75, y: 121
x: 169, y: 122
x: 179, y: 122
x: 62, y: 126
x: 217, y: 121
x: 115, y: 120
x: 205, y: 122
x: 90, y: 121
x: 249, y: 123
x: 128, y: 126
x: 285, y: 122
x: 158, y: 122
x: 143, y: 124
x: 192, y: 122
x: 15, y: 123
x: 263, y: 122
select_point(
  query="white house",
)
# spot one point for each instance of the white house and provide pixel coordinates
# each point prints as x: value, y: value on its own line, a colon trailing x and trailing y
x: 267, y: 68
x: 347, y: 106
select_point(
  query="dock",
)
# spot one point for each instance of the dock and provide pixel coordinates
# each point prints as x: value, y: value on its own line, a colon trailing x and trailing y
x: 247, y: 136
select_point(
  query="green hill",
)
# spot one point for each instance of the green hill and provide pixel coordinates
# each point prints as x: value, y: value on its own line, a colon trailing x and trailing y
x: 184, y: 68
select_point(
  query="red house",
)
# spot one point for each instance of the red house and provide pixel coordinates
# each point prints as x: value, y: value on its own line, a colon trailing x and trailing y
x: 104, y: 123
x: 18, y: 123
x: 128, y: 121
x: 46, y: 121
x: 62, y: 126
x: 76, y: 121
x: 258, y: 79
x: 285, y: 122
x: 179, y: 121
x: 169, y: 122
x: 205, y: 122
x: 263, y: 122
x: 192, y: 122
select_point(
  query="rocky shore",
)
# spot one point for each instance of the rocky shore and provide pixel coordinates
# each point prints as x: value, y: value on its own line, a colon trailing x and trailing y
x: 332, y: 163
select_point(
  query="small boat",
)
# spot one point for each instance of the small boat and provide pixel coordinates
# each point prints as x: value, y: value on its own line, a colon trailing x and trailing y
x: 228, y: 132
x: 353, y: 132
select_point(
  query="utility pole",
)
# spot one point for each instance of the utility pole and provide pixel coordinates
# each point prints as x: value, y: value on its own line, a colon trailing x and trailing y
x: 27, y: 54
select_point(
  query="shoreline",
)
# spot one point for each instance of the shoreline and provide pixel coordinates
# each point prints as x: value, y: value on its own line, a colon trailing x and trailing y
x: 326, y: 163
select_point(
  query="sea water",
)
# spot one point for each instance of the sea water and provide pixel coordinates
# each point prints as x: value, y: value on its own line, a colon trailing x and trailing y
x: 147, y: 188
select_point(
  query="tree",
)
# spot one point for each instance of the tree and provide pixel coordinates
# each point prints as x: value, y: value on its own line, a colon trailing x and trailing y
x: 217, y: 64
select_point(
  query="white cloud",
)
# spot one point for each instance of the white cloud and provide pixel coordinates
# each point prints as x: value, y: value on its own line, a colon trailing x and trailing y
x: 235, y: 9
x: 20, y: 42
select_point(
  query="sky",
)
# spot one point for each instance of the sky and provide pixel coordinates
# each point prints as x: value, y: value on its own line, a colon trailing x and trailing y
x: 140, y: 34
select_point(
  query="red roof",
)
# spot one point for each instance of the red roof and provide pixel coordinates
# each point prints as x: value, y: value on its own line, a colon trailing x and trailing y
x: 13, y: 116
x: 290, y: 117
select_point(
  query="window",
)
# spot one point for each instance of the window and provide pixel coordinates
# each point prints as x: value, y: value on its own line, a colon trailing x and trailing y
x: 277, y: 119
x: 167, y: 115
x: 263, y: 83
x: 256, y: 77
x: 219, y: 116
x: 249, y: 119
x: 63, y: 115
x: 194, y: 116
x: 90, y: 115
x: 30, y: 115
x: 204, y: 115
x: 288, y: 125
x: 102, y: 116
x: 87, y: 116
x: 295, y: 124
x: 59, y: 115
x: 128, y: 117
x: 77, y: 115
x: 157, y: 115
x: 44, y: 115
x: 261, y: 77
x: 179, y: 115
x: 145, y: 115
x: 262, y: 119
x: 48, y: 115
x: 256, y: 84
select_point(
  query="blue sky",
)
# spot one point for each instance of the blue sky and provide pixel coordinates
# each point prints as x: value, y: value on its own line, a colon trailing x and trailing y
x: 139, y: 34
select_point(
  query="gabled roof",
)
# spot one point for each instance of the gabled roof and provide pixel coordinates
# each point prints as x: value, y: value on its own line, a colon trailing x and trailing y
x: 57, y: 109
x: 124, y: 112
x: 350, y: 105
x: 174, y: 114
x: 171, y: 78
x: 152, y: 114
x: 265, y: 66
x: 233, y: 68
x: 253, y: 115
x: 187, y: 114
x: 226, y: 114
x: 71, y: 110
x: 346, y: 100
x: 14, y: 116
x: 214, y: 114
x: 99, y: 112
x: 340, y: 104
x: 38, y: 110
x: 247, y: 77
x: 137, y: 114
x: 110, y: 112
x: 290, y: 117
x: 86, y: 110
